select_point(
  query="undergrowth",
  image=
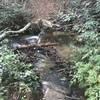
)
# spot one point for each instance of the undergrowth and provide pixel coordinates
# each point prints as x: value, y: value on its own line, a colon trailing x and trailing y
x: 17, y: 78
x: 87, y: 53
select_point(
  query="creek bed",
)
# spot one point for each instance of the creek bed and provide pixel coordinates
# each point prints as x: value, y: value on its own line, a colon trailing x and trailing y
x: 49, y: 63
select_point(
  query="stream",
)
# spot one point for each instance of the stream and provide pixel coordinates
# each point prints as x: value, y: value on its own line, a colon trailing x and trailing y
x: 51, y: 63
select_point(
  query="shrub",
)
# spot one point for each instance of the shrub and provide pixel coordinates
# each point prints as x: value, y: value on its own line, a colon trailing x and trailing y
x: 16, y: 77
x: 12, y: 15
x: 87, y: 71
x: 87, y: 56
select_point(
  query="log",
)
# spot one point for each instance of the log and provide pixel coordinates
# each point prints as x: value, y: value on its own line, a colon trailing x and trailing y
x: 34, y: 46
x: 6, y: 34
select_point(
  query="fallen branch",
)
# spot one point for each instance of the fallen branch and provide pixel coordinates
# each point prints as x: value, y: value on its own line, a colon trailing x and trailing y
x: 34, y: 46
x: 6, y: 34
x: 40, y: 24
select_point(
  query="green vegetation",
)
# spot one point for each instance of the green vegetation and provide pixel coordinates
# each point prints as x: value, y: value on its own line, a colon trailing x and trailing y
x: 87, y: 66
x: 17, y: 78
x: 82, y: 18
x: 13, y: 15
x: 16, y: 75
x: 85, y: 23
x: 87, y: 54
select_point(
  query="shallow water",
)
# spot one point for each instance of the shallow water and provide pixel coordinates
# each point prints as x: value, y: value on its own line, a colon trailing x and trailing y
x: 55, y: 85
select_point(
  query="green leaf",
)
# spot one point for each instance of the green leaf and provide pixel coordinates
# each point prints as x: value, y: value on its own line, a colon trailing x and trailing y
x: 92, y: 78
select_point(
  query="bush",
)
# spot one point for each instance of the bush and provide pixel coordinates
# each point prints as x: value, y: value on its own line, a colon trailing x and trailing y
x: 87, y: 53
x: 66, y: 20
x: 87, y: 61
x: 16, y: 77
x: 87, y: 71
x: 12, y: 15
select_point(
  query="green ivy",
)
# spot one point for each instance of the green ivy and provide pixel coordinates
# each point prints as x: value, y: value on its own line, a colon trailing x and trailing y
x: 87, y: 56
x: 14, y: 73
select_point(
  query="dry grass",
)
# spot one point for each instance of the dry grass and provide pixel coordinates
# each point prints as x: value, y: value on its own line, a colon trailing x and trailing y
x: 44, y: 8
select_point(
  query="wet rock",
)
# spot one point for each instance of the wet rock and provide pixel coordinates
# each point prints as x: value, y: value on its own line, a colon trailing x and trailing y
x: 31, y: 39
x: 34, y: 39
x: 53, y: 91
x: 15, y: 45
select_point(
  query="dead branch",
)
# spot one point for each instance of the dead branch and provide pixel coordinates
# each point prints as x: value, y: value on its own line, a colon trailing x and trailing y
x: 7, y: 33
x: 40, y: 23
x: 35, y: 46
x: 73, y: 98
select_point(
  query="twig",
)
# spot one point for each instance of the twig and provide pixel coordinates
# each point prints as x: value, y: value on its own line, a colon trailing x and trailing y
x: 4, y: 30
x: 60, y: 70
x: 73, y: 98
